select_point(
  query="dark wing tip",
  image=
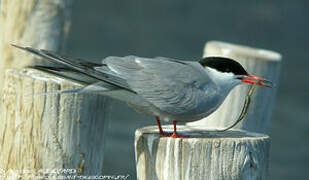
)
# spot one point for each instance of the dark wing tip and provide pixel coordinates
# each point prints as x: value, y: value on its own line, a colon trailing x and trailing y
x: 19, y: 47
x: 35, y: 51
x: 51, y: 68
x: 38, y: 67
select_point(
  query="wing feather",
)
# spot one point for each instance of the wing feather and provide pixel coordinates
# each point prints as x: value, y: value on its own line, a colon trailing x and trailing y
x: 172, y: 86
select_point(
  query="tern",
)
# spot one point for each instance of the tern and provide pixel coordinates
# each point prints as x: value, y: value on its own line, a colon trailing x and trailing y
x: 168, y: 89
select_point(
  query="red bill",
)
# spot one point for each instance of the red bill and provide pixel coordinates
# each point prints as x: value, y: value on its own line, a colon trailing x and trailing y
x: 251, y: 79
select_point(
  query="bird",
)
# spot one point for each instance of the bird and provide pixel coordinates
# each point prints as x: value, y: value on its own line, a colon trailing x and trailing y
x: 168, y: 89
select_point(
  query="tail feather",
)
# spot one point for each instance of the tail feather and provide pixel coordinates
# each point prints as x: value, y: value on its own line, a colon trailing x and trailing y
x: 79, y: 65
x: 67, y: 74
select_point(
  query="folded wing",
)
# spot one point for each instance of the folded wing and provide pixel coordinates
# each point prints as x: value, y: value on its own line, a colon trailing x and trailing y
x: 173, y: 86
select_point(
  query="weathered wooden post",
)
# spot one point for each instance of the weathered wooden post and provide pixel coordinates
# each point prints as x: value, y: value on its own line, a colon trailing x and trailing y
x: 44, y: 132
x: 261, y: 62
x: 53, y: 132
x: 40, y: 133
x: 230, y: 155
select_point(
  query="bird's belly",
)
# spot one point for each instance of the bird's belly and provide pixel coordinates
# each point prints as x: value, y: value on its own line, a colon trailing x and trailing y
x: 207, y: 105
x: 203, y: 109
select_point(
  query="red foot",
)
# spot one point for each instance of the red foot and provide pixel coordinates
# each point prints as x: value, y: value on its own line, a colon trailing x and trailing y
x: 175, y: 135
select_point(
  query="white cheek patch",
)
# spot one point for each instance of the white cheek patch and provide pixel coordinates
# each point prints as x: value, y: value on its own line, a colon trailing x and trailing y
x: 217, y: 75
x: 223, y: 79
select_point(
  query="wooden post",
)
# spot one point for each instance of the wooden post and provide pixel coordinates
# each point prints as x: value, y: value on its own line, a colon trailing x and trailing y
x: 54, y: 131
x: 204, y: 155
x: 35, y: 23
x: 260, y: 62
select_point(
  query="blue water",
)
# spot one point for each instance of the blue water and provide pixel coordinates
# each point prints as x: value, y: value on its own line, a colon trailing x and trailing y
x: 179, y: 29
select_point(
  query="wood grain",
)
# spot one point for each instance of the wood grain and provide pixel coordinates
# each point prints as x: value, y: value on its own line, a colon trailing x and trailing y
x: 231, y: 155
x: 52, y: 131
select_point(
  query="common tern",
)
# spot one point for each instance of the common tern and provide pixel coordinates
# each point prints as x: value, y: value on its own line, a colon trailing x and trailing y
x: 168, y: 89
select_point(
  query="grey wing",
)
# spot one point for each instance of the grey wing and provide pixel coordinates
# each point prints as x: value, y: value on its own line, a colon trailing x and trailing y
x: 173, y: 86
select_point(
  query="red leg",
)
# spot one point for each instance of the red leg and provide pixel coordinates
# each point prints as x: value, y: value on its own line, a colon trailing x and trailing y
x: 160, y: 128
x: 175, y: 135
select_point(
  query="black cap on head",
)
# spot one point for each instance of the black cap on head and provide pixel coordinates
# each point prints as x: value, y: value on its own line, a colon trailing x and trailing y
x: 223, y: 64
